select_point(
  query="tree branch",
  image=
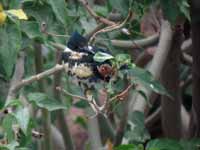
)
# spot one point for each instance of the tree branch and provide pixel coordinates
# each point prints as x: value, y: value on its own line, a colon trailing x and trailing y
x: 111, y: 27
x: 187, y: 45
x: 47, y: 144
x: 17, y: 76
x: 14, y: 89
x: 122, y: 43
x: 138, y: 102
x: 64, y: 129
x: 150, y: 120
x: 136, y: 43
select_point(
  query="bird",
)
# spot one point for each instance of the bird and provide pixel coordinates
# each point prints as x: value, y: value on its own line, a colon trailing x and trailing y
x: 86, y: 71
x: 81, y: 64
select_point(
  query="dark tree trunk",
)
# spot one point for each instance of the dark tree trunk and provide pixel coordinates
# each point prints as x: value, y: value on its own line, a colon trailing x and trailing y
x: 171, y: 109
x: 195, y: 27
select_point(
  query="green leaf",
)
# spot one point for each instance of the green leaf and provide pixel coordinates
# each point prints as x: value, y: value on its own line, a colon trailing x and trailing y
x: 145, y: 97
x: 144, y: 77
x: 101, y: 10
x: 121, y: 5
x: 123, y: 59
x: 10, y: 146
x: 82, y: 121
x: 137, y: 131
x: 170, y: 9
x: 192, y: 144
x: 184, y: 8
x: 23, y: 118
x: 101, y: 57
x: 43, y: 101
x: 10, y: 43
x: 23, y: 148
x: 31, y: 28
x: 163, y: 144
x: 88, y: 24
x: 125, y: 147
x: 60, y: 10
x: 81, y: 104
x: 19, y: 13
x: 14, y: 4
x: 43, y: 13
x: 16, y: 102
x: 8, y: 121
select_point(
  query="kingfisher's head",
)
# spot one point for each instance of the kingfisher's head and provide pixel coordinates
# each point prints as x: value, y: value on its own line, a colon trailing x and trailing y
x: 76, y: 41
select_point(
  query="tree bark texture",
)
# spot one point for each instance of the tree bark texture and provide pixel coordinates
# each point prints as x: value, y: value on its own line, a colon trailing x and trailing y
x: 171, y: 108
x: 194, y: 130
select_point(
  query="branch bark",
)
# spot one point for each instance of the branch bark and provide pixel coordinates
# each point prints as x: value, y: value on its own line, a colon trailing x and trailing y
x: 47, y: 144
x: 17, y: 77
x: 136, y: 43
x: 171, y: 109
x: 64, y: 129
x: 138, y: 103
x: 194, y: 130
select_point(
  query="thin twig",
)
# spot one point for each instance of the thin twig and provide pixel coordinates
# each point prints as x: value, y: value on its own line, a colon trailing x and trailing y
x: 57, y: 35
x: 111, y: 16
x: 91, y: 101
x: 37, y: 77
x: 122, y: 94
x: 112, y: 27
x: 70, y: 94
x: 120, y: 130
x: 151, y: 119
x: 93, y: 14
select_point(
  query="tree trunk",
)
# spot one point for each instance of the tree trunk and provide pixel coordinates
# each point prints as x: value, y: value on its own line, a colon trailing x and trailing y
x: 195, y: 27
x: 171, y: 109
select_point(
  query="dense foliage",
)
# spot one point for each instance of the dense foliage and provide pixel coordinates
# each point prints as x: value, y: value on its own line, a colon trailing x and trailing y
x: 29, y: 26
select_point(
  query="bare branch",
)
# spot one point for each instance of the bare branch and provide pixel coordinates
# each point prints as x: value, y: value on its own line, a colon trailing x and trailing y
x: 150, y: 120
x: 17, y: 76
x: 187, y: 45
x: 138, y: 102
x: 111, y: 16
x: 37, y: 77
x: 93, y: 126
x: 122, y: 43
x: 47, y: 143
x: 123, y: 120
x: 121, y: 95
x: 187, y: 58
x: 61, y: 118
x: 136, y: 43
x: 112, y: 27
x: 70, y: 94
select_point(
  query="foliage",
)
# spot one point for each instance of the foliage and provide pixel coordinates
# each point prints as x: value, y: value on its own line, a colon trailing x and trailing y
x: 174, y: 9
x: 24, y: 23
x: 163, y: 144
x: 43, y: 101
